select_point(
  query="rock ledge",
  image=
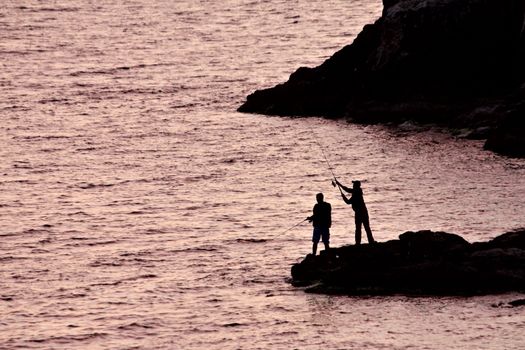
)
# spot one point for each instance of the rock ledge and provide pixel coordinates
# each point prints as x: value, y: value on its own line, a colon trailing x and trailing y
x: 418, y: 263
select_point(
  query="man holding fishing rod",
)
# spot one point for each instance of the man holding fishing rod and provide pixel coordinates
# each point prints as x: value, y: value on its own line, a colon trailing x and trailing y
x: 357, y: 201
x: 359, y: 207
x: 322, y: 220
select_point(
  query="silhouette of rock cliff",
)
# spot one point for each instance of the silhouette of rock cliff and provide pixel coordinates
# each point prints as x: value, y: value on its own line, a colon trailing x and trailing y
x: 458, y: 63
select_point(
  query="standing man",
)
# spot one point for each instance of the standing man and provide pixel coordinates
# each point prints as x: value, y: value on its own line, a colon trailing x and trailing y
x: 359, y: 207
x: 322, y: 220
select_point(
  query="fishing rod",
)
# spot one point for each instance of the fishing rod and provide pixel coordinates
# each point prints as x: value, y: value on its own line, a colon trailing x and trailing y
x: 334, y: 181
x: 325, y: 158
x: 323, y: 153
x: 294, y: 226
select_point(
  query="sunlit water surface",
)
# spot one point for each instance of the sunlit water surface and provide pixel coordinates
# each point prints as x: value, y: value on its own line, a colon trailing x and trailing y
x: 138, y: 210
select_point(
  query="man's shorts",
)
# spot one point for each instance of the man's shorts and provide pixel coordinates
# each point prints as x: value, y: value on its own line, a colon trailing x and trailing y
x: 319, y: 232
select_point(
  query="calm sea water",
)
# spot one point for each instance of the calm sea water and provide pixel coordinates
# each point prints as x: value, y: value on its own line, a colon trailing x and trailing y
x: 138, y: 210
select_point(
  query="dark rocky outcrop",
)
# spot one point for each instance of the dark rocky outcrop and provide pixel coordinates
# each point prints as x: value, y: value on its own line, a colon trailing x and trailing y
x: 459, y: 63
x: 519, y: 302
x: 418, y: 263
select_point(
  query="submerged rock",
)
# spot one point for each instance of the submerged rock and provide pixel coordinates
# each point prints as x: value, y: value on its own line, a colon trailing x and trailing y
x: 420, y: 263
x: 430, y: 61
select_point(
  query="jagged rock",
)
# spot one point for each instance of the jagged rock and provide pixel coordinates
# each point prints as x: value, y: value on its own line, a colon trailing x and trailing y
x: 515, y: 239
x: 424, y: 262
x: 509, y: 136
x: 518, y: 302
x: 431, y: 61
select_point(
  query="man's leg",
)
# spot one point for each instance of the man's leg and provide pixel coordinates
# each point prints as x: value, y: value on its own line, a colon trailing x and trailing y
x: 366, y: 224
x: 357, y: 229
x: 326, y: 239
x: 316, y: 236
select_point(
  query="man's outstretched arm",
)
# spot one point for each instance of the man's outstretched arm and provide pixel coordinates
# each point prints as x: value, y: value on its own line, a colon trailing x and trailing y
x: 347, y: 189
x: 347, y: 201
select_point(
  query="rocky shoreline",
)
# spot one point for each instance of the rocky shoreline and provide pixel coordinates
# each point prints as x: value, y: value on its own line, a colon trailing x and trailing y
x: 418, y: 263
x: 454, y: 63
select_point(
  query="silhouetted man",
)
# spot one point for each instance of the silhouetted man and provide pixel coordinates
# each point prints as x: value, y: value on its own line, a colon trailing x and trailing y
x: 359, y: 207
x: 322, y: 220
